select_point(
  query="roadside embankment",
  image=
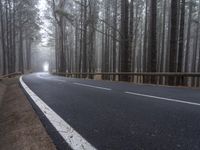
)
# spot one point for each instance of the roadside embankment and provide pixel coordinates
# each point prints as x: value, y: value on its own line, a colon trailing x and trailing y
x: 20, y: 127
x: 2, y: 91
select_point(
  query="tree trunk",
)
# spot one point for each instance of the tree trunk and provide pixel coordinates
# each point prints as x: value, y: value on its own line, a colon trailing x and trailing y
x: 181, y: 42
x: 124, y: 66
x: 131, y: 50
x: 114, y: 36
x: 3, y: 38
x: 84, y: 69
x: 21, y: 56
x: 188, y: 37
x: 152, y: 45
x: 163, y: 46
x: 173, y: 39
x: 145, y: 43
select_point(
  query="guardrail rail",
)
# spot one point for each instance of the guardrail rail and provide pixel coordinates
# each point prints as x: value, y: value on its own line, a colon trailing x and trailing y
x: 10, y: 75
x: 180, y: 78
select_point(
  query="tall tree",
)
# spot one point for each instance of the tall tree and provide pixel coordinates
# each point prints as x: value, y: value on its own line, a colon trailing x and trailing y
x: 181, y: 41
x: 124, y: 53
x: 145, y: 41
x: 85, y: 27
x: 131, y: 50
x: 188, y: 36
x: 3, y: 38
x: 163, y: 37
x: 152, y: 41
x: 114, y: 47
x: 173, y: 39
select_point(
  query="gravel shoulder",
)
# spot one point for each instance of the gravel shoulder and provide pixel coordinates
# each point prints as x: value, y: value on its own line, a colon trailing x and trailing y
x: 20, y: 127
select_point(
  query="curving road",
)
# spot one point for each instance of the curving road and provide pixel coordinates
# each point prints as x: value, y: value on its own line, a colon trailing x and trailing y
x: 104, y: 115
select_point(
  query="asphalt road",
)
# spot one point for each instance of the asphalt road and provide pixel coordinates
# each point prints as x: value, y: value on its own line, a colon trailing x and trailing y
x: 122, y: 116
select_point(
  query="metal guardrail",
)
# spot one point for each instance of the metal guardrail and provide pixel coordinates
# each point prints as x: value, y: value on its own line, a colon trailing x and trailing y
x: 159, y: 74
x: 191, y: 79
x: 10, y: 75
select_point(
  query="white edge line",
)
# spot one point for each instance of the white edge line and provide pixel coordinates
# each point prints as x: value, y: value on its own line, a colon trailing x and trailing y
x: 74, y: 139
x: 92, y: 86
x: 162, y: 98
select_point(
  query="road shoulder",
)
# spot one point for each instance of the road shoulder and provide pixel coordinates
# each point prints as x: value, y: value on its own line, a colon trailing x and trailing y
x: 20, y: 127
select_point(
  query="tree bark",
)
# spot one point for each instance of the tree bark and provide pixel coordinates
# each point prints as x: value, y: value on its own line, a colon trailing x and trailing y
x: 181, y: 42
x: 3, y: 38
x: 173, y: 41
x: 124, y: 53
x: 188, y: 37
x: 152, y: 42
x: 114, y: 35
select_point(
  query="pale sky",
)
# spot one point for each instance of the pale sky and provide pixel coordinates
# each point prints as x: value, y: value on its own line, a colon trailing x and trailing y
x: 42, y: 7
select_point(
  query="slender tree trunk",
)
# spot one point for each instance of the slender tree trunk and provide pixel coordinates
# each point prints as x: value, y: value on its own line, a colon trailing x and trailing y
x: 84, y: 69
x: 163, y: 46
x: 107, y: 38
x: 3, y: 38
x: 10, y: 35
x: 28, y: 53
x: 181, y: 42
x: 81, y: 38
x: 124, y: 66
x: 114, y: 36
x: 21, y: 56
x: 152, y: 50
x: 103, y: 50
x: 131, y: 50
x: 62, y: 53
x: 188, y: 37
x: 7, y: 37
x: 14, y: 37
x: 196, y: 49
x: 145, y: 42
x: 135, y: 41
x: 62, y: 40
x: 76, y: 47
x: 173, y: 41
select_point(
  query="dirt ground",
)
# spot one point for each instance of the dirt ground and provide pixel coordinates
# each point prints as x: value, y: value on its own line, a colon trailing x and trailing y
x: 20, y: 127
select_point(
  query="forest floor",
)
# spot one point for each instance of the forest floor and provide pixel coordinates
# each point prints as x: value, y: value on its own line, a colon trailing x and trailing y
x: 20, y: 127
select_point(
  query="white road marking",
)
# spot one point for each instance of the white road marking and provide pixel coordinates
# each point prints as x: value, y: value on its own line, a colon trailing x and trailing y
x: 163, y: 98
x: 92, y: 86
x: 73, y: 138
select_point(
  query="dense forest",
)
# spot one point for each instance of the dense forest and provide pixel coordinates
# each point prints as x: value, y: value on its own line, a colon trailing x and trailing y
x: 106, y: 36
x: 19, y: 27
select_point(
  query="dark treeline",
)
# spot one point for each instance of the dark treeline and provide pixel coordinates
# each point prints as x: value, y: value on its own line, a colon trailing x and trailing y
x: 107, y: 36
x: 18, y: 29
x: 127, y: 36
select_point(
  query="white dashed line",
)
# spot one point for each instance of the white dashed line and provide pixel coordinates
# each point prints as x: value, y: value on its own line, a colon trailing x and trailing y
x: 73, y: 138
x: 92, y: 86
x: 162, y: 98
